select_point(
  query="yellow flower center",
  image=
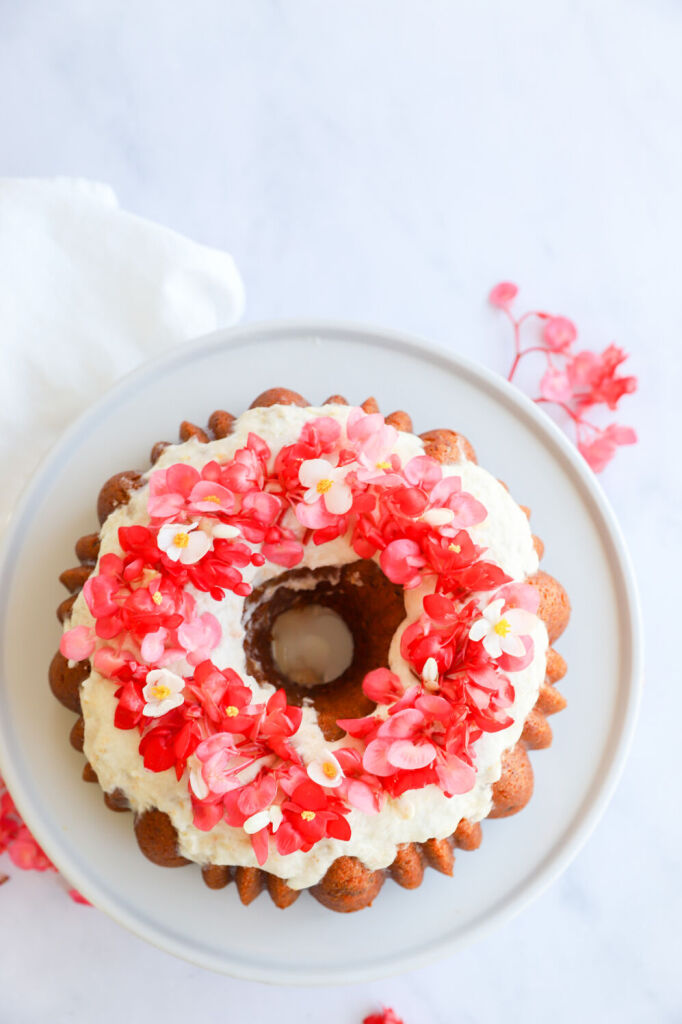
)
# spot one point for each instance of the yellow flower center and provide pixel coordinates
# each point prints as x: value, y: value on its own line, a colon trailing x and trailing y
x: 383, y: 465
x: 308, y: 815
x: 212, y: 497
x: 161, y: 691
x: 502, y: 627
x: 157, y: 597
x: 231, y: 711
x: 181, y: 540
x: 323, y: 486
x: 454, y: 547
x: 329, y: 769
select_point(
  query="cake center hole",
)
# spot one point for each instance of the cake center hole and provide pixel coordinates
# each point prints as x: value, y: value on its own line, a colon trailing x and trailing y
x: 311, y: 645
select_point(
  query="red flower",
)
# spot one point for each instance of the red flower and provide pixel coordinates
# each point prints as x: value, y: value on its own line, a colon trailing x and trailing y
x: 456, y: 563
x: 130, y: 705
x: 387, y: 1016
x: 224, y: 698
x: 308, y: 816
x: 278, y: 723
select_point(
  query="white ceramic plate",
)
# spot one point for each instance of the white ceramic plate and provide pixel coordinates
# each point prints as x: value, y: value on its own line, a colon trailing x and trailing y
x: 519, y: 856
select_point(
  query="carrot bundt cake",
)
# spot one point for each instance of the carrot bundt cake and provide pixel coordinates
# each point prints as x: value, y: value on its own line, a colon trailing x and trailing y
x: 308, y: 649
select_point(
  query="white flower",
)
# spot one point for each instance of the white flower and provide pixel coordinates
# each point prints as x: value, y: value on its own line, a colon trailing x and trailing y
x: 162, y: 692
x: 261, y: 819
x: 181, y: 544
x: 501, y: 634
x: 430, y: 674
x: 325, y: 770
x: 328, y: 482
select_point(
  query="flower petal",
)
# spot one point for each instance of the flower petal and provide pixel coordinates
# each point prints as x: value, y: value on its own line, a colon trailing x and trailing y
x: 410, y: 756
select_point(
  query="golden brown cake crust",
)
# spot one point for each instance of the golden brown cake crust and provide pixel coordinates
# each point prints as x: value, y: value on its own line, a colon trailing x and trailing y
x: 348, y: 885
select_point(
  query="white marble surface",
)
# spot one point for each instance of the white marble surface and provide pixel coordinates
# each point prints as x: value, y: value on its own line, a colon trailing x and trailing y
x: 388, y: 161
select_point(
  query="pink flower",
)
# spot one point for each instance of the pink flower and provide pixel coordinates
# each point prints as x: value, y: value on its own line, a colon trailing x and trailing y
x: 209, y: 497
x: 218, y: 755
x: 153, y: 646
x: 448, y: 496
x: 424, y: 472
x: 595, y: 377
x: 182, y: 488
x: 520, y: 595
x: 244, y: 472
x: 559, y: 333
x: 199, y: 637
x: 401, y: 561
x: 399, y: 745
x: 599, y: 451
x: 250, y: 799
x: 169, y: 490
x: 26, y: 854
x: 321, y: 434
x: 359, y: 788
x: 503, y: 294
x: 555, y: 385
x: 77, y: 644
x: 373, y: 442
x: 283, y: 550
x: 327, y: 482
x: 100, y: 590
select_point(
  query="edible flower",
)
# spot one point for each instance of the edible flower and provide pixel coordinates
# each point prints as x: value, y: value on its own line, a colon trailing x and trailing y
x: 181, y: 542
x: 500, y: 631
x: 162, y: 692
x: 327, y: 482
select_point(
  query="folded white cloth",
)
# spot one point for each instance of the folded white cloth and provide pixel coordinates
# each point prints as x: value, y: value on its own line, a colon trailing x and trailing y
x: 87, y: 292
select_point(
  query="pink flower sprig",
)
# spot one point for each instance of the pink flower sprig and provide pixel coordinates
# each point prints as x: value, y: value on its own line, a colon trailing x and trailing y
x: 574, y: 382
x: 17, y: 841
x: 15, y: 838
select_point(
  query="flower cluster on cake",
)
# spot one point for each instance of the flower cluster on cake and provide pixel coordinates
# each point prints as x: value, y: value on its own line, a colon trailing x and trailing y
x: 187, y: 719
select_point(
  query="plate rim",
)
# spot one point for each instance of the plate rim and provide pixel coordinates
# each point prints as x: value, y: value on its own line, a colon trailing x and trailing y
x: 569, y: 846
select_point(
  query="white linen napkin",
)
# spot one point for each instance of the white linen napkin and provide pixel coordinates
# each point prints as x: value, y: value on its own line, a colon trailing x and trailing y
x: 88, y: 291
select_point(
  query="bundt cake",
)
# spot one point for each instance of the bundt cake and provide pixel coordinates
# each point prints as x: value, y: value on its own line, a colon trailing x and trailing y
x: 289, y: 775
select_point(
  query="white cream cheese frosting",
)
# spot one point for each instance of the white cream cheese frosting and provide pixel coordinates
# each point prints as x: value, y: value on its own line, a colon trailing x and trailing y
x: 414, y: 817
